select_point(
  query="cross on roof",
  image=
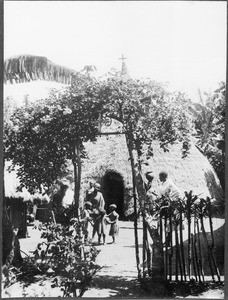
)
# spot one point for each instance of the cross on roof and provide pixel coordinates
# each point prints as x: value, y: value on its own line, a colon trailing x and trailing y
x: 122, y: 58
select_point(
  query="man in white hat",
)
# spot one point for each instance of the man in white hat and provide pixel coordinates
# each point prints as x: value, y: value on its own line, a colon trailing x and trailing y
x: 97, y: 198
x: 98, y: 205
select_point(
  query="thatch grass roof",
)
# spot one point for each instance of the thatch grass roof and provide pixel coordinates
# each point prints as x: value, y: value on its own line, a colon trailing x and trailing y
x: 194, y: 172
x: 109, y: 153
x: 11, y: 183
x: 106, y: 154
x: 26, y: 68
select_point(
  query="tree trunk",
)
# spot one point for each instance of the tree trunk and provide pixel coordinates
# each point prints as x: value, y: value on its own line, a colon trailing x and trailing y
x: 10, y: 243
x: 157, y: 272
x: 138, y: 185
x: 132, y: 160
x: 79, y: 171
x: 76, y: 160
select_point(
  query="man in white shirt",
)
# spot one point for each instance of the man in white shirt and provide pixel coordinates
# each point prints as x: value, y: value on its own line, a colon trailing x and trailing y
x: 168, y: 188
x: 171, y: 191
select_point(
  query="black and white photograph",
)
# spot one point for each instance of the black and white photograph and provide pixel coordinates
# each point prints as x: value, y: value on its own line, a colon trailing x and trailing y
x: 114, y: 149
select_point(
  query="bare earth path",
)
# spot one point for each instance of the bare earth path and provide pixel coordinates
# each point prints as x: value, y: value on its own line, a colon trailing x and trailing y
x: 117, y: 277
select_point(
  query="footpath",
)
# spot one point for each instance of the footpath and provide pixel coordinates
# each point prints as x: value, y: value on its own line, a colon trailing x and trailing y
x: 117, y: 277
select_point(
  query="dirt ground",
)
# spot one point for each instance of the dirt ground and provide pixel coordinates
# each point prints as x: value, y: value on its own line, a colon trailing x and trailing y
x: 117, y: 278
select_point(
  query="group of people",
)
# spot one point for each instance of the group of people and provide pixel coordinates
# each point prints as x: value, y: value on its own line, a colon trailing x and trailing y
x: 167, y: 189
x: 95, y: 219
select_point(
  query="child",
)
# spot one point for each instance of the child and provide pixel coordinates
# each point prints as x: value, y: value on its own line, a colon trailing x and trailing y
x: 99, y: 226
x: 86, y: 219
x: 113, y: 219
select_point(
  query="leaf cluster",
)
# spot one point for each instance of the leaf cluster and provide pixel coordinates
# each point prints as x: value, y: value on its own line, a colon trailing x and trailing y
x: 66, y: 258
x: 147, y: 111
x: 209, y: 122
x: 43, y: 134
x: 190, y: 205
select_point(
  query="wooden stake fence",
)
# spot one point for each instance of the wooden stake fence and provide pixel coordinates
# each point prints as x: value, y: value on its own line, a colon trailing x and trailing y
x: 178, y: 253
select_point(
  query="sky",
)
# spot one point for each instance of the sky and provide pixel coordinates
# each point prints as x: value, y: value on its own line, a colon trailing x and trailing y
x: 182, y: 43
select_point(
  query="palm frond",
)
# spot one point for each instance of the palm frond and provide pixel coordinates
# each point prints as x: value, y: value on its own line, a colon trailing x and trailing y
x: 26, y: 68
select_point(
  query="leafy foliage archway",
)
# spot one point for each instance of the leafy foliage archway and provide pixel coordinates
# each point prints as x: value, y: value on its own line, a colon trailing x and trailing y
x: 40, y: 137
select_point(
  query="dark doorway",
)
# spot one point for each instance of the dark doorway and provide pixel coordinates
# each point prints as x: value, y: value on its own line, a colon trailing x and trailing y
x: 113, y: 189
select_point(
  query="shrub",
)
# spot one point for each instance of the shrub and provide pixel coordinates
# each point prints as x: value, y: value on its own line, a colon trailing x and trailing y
x: 65, y: 257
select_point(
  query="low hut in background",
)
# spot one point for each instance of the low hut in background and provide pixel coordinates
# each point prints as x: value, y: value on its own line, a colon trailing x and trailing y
x: 62, y: 193
x: 16, y: 202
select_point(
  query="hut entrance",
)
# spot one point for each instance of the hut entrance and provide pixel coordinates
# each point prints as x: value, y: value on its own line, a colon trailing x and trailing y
x: 113, y: 191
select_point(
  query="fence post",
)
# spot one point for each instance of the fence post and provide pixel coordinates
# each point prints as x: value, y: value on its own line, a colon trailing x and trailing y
x: 166, y: 247
x: 144, y: 248
x: 193, y: 257
x: 208, y: 247
x: 195, y: 248
x: 212, y: 238
x: 171, y: 248
x: 200, y: 250
x: 182, y: 243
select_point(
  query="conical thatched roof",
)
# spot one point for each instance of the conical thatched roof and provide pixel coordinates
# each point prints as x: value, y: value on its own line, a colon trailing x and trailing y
x: 11, y: 183
x: 191, y: 173
x: 26, y: 68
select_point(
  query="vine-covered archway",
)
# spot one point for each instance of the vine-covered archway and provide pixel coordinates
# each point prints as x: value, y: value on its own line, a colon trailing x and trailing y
x: 146, y: 111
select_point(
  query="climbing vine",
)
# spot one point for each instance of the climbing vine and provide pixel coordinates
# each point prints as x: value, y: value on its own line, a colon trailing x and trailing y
x: 47, y: 133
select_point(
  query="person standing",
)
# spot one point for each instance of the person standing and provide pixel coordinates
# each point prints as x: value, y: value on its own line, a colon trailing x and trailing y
x: 98, y: 205
x: 113, y: 219
x: 89, y: 192
x: 87, y: 220
x: 97, y: 198
x: 99, y: 226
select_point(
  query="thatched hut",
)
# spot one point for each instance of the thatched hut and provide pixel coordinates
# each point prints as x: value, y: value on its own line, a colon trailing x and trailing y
x: 16, y: 202
x: 108, y: 159
x: 108, y: 163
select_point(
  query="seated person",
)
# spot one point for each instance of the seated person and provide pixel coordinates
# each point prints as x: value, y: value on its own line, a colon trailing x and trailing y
x: 168, y: 188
